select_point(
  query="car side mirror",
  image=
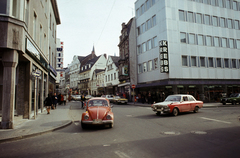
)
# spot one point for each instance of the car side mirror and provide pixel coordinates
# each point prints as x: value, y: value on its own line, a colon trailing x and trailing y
x: 111, y: 106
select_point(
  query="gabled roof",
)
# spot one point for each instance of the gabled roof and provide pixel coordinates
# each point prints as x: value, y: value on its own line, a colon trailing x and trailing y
x: 81, y: 58
x: 88, y: 65
x: 115, y: 60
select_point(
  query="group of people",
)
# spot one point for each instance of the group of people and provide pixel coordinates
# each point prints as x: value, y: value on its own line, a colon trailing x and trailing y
x: 51, y: 101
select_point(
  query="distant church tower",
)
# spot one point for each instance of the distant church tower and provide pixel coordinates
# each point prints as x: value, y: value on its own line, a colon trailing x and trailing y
x: 93, y: 53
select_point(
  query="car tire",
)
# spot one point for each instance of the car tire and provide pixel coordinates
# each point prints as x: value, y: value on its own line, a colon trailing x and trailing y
x: 224, y: 103
x: 233, y: 103
x: 83, y: 126
x: 175, y: 112
x: 111, y: 125
x: 196, y: 109
x: 158, y: 113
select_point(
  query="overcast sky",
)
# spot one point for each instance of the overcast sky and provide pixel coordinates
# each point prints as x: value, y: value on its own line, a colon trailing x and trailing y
x: 85, y: 23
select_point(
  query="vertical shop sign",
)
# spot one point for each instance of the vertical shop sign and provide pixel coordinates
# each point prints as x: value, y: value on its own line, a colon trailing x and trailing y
x: 163, y: 52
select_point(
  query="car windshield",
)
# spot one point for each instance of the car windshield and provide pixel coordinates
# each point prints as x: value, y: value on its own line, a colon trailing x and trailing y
x: 173, y: 98
x: 97, y: 103
x: 233, y: 95
x: 118, y: 97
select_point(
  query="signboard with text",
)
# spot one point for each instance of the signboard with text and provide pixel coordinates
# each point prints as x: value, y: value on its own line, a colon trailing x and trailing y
x: 163, y: 52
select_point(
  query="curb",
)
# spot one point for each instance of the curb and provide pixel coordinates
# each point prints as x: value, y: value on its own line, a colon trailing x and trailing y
x: 36, y: 133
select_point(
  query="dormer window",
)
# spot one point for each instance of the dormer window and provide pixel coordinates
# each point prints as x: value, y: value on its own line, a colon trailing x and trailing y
x: 82, y: 68
x: 85, y: 66
x: 89, y: 65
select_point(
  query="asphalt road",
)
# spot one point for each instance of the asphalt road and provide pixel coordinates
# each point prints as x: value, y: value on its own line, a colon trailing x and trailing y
x: 139, y: 133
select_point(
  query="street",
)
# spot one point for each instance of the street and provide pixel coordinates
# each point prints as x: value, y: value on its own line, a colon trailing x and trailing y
x: 139, y: 133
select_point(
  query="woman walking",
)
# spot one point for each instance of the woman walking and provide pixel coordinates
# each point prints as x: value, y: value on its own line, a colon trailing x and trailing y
x: 48, y: 103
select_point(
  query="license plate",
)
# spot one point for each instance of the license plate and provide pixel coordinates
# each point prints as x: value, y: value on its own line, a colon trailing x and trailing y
x: 97, y: 121
x: 160, y: 109
x: 122, y: 101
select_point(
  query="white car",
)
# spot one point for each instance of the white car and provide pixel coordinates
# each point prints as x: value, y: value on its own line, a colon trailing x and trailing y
x: 109, y: 97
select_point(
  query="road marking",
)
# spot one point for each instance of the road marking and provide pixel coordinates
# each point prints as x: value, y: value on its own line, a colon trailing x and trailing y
x: 122, y: 154
x: 215, y: 120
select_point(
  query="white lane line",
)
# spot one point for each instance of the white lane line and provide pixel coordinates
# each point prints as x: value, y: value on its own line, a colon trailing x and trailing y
x: 122, y: 154
x: 215, y: 120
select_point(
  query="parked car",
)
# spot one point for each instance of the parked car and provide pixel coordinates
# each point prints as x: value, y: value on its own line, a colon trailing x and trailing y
x: 98, y: 112
x: 109, y: 97
x: 233, y: 99
x: 119, y: 100
x: 77, y: 97
x: 177, y: 103
x: 88, y: 97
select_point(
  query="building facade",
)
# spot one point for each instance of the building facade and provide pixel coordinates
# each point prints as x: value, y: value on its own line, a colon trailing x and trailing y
x: 188, y: 46
x: 28, y: 47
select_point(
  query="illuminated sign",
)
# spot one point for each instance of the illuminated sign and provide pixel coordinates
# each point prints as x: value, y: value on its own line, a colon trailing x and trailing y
x: 163, y: 52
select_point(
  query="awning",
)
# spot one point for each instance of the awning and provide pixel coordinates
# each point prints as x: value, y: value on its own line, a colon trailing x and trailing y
x: 124, y: 84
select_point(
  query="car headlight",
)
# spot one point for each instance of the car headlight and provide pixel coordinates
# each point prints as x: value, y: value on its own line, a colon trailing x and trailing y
x: 109, y: 117
x: 86, y: 117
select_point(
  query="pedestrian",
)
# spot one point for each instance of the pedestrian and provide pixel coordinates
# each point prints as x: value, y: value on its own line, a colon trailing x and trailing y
x: 83, y: 100
x: 48, y: 103
x: 55, y: 100
x: 64, y: 99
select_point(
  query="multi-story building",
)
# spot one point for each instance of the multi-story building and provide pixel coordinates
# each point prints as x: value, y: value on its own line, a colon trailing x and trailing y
x: 96, y: 83
x: 74, y: 71
x: 86, y: 73
x: 28, y: 48
x: 188, y: 46
x: 111, y: 81
x: 127, y: 62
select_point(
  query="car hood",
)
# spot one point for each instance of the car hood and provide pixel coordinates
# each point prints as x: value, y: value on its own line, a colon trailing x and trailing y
x: 98, y: 112
x: 165, y: 103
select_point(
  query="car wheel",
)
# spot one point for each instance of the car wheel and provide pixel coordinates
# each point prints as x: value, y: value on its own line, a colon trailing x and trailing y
x: 158, y: 113
x: 83, y: 125
x: 233, y: 103
x: 175, y: 112
x: 111, y: 125
x: 224, y: 103
x: 196, y: 109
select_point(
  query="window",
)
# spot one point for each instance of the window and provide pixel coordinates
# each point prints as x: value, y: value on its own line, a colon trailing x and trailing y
x: 220, y: 3
x: 209, y: 41
x: 205, y: 2
x: 234, y: 63
x: 108, y: 77
x: 199, y: 18
x: 215, y: 21
x: 222, y: 22
x: 150, y: 65
x: 154, y: 22
x: 238, y: 44
x: 193, y: 61
x: 139, y: 68
x: 115, y: 76
x: 183, y: 37
x: 153, y: 2
x: 181, y: 15
x: 224, y: 42
x: 234, y: 5
x: 229, y: 23
x: 191, y: 38
x: 35, y: 26
x: 148, y: 4
x: 213, y: 2
x: 144, y: 67
x: 111, y: 77
x: 184, y: 61
x: 142, y: 9
x: 143, y: 28
x: 155, y: 63
x: 155, y: 42
x: 202, y: 61
x: 207, y: 19
x: 190, y: 16
x: 228, y: 5
x: 231, y: 43
x: 236, y: 25
x: 216, y: 41
x: 138, y: 12
x: 144, y: 49
x: 210, y: 62
x: 149, y: 44
x: 226, y: 63
x: 219, y: 63
x: 200, y: 40
x: 139, y: 30
x: 149, y: 24
x: 139, y: 49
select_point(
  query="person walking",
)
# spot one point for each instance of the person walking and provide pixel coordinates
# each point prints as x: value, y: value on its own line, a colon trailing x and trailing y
x: 83, y: 100
x: 48, y: 103
x: 64, y: 99
x: 55, y: 100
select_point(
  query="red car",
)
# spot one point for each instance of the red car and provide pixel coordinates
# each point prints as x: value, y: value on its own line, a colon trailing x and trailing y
x: 98, y: 112
x: 177, y: 103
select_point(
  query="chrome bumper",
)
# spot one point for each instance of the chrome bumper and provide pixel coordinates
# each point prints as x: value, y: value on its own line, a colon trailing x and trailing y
x: 98, y: 122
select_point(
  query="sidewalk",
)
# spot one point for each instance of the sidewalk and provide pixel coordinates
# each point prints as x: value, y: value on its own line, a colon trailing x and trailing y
x: 24, y: 128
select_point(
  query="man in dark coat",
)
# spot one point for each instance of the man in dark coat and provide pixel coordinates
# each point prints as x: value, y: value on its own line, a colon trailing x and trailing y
x: 55, y: 100
x: 48, y: 103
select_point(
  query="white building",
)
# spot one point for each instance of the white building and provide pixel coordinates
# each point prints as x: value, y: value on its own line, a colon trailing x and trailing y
x: 202, y: 51
x: 111, y: 81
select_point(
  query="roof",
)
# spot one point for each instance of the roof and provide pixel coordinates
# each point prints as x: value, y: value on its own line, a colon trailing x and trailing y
x: 88, y: 65
x: 115, y: 60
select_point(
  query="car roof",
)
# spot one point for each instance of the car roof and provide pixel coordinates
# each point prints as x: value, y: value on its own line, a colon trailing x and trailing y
x: 98, y: 98
x: 180, y: 95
